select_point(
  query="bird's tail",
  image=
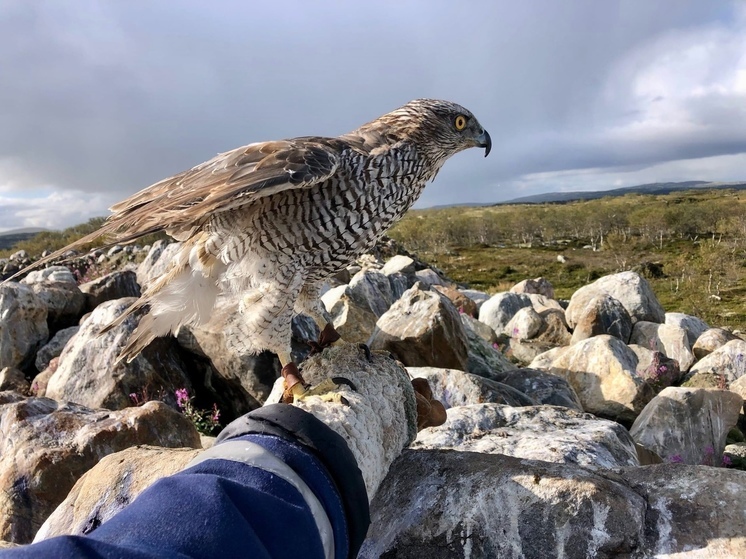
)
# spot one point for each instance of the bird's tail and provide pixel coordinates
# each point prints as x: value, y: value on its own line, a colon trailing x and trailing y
x: 183, y: 296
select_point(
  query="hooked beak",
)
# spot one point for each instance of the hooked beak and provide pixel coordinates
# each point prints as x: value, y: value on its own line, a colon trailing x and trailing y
x: 484, y: 141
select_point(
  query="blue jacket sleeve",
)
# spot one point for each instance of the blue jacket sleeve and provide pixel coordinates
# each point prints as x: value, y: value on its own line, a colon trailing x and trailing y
x: 275, y: 478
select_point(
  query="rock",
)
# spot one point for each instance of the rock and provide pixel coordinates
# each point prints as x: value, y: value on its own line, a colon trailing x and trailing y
x: 725, y: 364
x: 602, y: 315
x: 523, y: 352
x: 688, y: 425
x: 354, y: 322
x: 23, y: 324
x: 694, y: 326
x: 629, y: 288
x: 485, y: 359
x: 546, y: 433
x: 371, y: 289
x: 524, y: 325
x: 710, y: 340
x: 13, y: 379
x: 670, y: 340
x: 553, y: 328
x: 399, y: 284
x: 442, y: 503
x: 736, y: 455
x: 542, y: 387
x: 457, y: 388
x: 739, y: 386
x: 53, y: 348
x: 89, y: 374
x: 156, y: 262
x: 39, y: 384
x: 602, y: 370
x: 429, y: 277
x: 19, y: 255
x: 111, y: 286
x: 459, y: 300
x: 479, y: 297
x: 479, y: 328
x: 539, y: 286
x: 48, y: 445
x: 399, y: 264
x: 238, y: 380
x: 56, y: 286
x: 497, y: 312
x: 542, y: 303
x: 111, y: 485
x: 423, y: 328
x: 655, y: 368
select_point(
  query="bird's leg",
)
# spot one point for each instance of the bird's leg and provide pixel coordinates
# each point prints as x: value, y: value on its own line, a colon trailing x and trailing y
x: 296, y: 388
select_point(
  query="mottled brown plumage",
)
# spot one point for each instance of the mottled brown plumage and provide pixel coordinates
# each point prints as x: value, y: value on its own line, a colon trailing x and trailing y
x: 272, y: 220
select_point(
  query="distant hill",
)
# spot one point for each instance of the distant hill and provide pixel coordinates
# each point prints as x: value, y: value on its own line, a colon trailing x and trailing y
x: 652, y: 188
x: 13, y: 236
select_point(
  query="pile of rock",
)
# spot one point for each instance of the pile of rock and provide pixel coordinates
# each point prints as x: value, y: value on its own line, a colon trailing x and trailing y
x: 554, y: 410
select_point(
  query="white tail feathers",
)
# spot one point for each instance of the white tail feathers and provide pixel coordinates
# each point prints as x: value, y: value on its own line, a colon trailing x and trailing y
x: 184, y: 296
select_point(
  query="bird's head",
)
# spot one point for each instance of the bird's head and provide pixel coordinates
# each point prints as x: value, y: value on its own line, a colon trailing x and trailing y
x: 440, y: 127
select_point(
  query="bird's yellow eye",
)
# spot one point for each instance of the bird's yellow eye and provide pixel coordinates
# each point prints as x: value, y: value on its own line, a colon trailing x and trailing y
x: 460, y: 122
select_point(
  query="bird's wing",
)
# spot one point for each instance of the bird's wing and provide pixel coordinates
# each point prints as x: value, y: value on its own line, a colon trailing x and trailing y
x: 184, y: 202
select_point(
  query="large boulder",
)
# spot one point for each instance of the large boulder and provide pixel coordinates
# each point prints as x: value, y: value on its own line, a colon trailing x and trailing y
x: 694, y: 326
x: 548, y: 433
x: 538, y: 286
x: 670, y: 340
x: 688, y: 425
x: 444, y: 503
x: 23, y: 324
x: 459, y: 300
x: 110, y: 486
x: 56, y: 286
x: 629, y: 288
x: 371, y: 289
x: 542, y: 387
x: 485, y: 359
x: 655, y: 368
x: 111, y: 286
x: 47, y: 445
x: 602, y: 370
x: 500, y: 308
x: 710, y: 340
x: 353, y: 321
x: 423, y: 329
x: 89, y: 373
x: 524, y: 325
x: 602, y: 315
x: 723, y: 365
x: 157, y: 262
x: 457, y: 388
x: 53, y: 348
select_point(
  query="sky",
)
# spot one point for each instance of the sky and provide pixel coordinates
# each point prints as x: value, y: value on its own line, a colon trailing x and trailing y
x: 100, y: 99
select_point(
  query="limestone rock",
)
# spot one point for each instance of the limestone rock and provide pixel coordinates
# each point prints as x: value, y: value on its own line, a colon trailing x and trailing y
x: 539, y: 286
x: 479, y: 328
x: 655, y: 368
x: 710, y: 340
x: 53, y: 348
x: 47, y: 445
x: 500, y: 308
x: 111, y: 485
x: 111, y: 286
x: 694, y: 326
x: 553, y: 328
x: 399, y: 264
x: 354, y: 322
x: 87, y: 373
x: 602, y: 370
x: 13, y: 379
x: 457, y: 388
x: 670, y: 340
x: 479, y: 297
x: 629, y: 288
x: 523, y: 352
x: 423, y: 328
x: 542, y: 303
x: 441, y: 503
x: 485, y: 359
x: 602, y: 315
x: 548, y: 433
x: 429, y: 277
x: 725, y: 364
x: 524, y: 325
x: 459, y: 300
x: 739, y: 386
x: 56, y: 286
x: 688, y: 425
x: 53, y: 274
x: 371, y: 289
x: 23, y: 324
x: 541, y: 386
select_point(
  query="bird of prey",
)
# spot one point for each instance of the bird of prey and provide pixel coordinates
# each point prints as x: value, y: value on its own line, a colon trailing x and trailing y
x: 272, y: 220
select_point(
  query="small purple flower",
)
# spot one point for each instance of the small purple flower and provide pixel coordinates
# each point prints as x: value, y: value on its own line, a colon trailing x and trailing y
x: 676, y: 459
x: 461, y: 310
x: 495, y: 346
x: 182, y: 397
x: 215, y: 413
x: 135, y: 399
